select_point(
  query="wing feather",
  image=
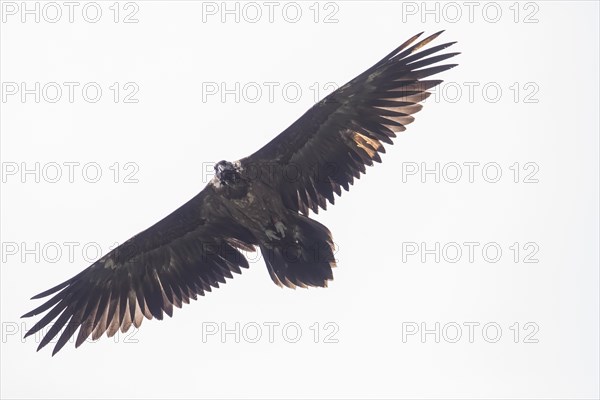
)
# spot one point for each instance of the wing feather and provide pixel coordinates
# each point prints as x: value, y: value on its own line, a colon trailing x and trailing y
x: 161, y: 267
x: 334, y: 141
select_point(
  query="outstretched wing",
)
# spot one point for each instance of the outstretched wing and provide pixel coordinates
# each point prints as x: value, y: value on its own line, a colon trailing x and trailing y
x: 182, y: 256
x: 332, y: 142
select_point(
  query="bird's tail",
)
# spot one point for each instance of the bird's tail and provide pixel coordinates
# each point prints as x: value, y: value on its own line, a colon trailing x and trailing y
x: 301, y: 253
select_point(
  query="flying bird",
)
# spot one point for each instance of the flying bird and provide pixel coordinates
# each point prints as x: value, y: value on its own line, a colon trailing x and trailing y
x: 260, y: 201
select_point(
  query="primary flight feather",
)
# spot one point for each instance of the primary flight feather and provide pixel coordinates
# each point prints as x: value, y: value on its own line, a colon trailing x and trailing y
x: 262, y: 200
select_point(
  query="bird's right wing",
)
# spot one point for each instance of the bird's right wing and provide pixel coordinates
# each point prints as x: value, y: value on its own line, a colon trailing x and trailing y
x: 191, y: 250
x: 329, y: 146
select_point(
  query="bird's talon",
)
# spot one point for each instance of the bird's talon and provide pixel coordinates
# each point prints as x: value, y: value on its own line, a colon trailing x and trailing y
x: 272, y: 235
x: 280, y: 227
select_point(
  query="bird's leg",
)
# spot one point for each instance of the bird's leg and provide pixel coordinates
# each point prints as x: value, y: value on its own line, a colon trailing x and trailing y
x: 280, y: 227
x: 278, y: 233
x: 272, y: 235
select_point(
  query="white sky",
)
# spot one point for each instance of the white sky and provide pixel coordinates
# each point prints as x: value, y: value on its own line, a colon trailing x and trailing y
x: 545, y: 118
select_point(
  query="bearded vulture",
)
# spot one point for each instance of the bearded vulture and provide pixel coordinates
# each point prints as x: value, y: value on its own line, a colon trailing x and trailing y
x: 262, y: 200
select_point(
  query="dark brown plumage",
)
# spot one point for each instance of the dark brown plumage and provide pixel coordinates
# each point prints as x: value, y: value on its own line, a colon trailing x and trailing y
x: 262, y: 200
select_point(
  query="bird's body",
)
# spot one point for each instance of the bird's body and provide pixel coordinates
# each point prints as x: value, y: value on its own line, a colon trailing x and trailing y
x: 248, y: 202
x: 298, y: 251
x: 259, y: 201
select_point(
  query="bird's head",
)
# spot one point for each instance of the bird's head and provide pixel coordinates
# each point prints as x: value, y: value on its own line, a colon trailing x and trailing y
x: 226, y: 172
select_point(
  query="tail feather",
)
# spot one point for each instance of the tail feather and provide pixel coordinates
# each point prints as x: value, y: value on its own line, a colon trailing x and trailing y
x: 303, y: 256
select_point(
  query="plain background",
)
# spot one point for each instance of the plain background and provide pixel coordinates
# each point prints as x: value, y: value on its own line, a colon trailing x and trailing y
x: 172, y: 134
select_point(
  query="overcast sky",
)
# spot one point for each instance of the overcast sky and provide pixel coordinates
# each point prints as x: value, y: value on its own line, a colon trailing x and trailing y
x: 467, y: 261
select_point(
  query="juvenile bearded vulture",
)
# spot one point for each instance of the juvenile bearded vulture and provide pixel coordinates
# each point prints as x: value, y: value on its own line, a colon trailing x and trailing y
x: 262, y: 200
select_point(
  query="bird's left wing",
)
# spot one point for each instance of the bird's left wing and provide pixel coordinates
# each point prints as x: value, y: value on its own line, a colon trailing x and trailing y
x: 191, y: 250
x: 330, y: 145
